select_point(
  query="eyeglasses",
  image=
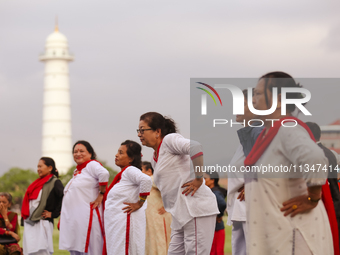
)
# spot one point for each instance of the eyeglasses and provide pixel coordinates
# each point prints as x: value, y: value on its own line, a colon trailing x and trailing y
x: 141, y: 131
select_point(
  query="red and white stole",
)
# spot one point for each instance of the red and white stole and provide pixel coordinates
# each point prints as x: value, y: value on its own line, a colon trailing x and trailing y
x: 32, y: 193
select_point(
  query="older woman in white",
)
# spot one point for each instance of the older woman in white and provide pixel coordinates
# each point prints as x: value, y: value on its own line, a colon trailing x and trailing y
x: 124, y: 214
x: 81, y: 223
x: 284, y: 212
x: 192, y: 205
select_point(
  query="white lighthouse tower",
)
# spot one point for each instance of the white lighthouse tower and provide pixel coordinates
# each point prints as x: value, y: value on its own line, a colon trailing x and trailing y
x: 56, y: 136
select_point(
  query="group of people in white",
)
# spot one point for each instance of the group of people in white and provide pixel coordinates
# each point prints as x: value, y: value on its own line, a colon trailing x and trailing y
x: 269, y: 215
x: 101, y: 218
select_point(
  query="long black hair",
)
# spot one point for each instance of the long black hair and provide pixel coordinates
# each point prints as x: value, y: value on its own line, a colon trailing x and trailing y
x: 157, y: 121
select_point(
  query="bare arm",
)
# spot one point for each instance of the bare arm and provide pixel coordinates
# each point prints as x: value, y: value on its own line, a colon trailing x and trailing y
x: 99, y: 199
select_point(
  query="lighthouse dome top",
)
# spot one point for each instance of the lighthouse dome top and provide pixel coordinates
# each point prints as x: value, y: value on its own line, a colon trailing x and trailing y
x: 56, y: 47
x: 56, y: 40
x: 56, y: 36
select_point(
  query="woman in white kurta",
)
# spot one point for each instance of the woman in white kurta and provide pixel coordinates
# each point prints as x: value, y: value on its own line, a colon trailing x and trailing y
x: 284, y: 212
x: 124, y: 214
x: 81, y: 223
x: 192, y: 205
x: 41, y: 204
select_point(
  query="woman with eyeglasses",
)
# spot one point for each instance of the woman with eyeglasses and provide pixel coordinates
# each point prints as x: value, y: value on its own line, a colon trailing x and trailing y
x: 192, y: 205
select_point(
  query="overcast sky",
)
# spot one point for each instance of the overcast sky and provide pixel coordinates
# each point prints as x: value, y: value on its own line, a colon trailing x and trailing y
x: 137, y: 56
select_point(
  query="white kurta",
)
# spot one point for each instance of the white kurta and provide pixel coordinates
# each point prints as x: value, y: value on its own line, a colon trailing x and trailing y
x: 174, y: 168
x: 269, y: 231
x: 236, y: 208
x: 125, y: 233
x: 39, y: 236
x: 82, y: 189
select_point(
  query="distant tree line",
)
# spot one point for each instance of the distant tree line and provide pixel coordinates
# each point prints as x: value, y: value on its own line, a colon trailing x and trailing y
x: 16, y: 181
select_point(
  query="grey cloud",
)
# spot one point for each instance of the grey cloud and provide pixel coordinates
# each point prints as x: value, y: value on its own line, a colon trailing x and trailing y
x: 137, y: 56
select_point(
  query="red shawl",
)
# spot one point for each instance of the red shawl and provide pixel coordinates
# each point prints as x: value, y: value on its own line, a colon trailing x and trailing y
x: 32, y: 193
x: 13, y: 218
x: 261, y: 145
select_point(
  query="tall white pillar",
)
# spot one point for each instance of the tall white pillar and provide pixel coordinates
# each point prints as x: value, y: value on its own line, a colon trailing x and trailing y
x: 56, y: 136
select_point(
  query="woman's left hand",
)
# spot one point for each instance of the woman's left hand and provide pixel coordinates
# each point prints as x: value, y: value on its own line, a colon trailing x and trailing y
x: 241, y: 196
x: 97, y: 202
x: 297, y: 205
x: 46, y: 214
x: 161, y: 210
x: 131, y: 207
x: 192, y: 186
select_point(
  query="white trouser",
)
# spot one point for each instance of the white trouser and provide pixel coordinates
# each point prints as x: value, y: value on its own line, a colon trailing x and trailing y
x: 238, y: 238
x: 194, y: 238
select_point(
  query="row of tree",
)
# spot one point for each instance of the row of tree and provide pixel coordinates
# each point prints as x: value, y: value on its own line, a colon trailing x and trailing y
x: 16, y: 181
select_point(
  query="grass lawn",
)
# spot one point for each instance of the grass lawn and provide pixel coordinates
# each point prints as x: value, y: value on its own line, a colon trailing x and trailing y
x: 227, y: 246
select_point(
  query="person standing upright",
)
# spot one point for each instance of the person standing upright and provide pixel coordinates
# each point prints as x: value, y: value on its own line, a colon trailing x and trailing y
x: 41, y: 204
x: 81, y: 220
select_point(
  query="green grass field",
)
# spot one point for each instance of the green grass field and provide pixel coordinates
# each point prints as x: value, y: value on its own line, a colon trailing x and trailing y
x: 227, y: 246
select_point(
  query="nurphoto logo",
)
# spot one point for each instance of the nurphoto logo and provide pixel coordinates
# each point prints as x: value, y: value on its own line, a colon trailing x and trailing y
x: 238, y: 103
x: 238, y: 99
